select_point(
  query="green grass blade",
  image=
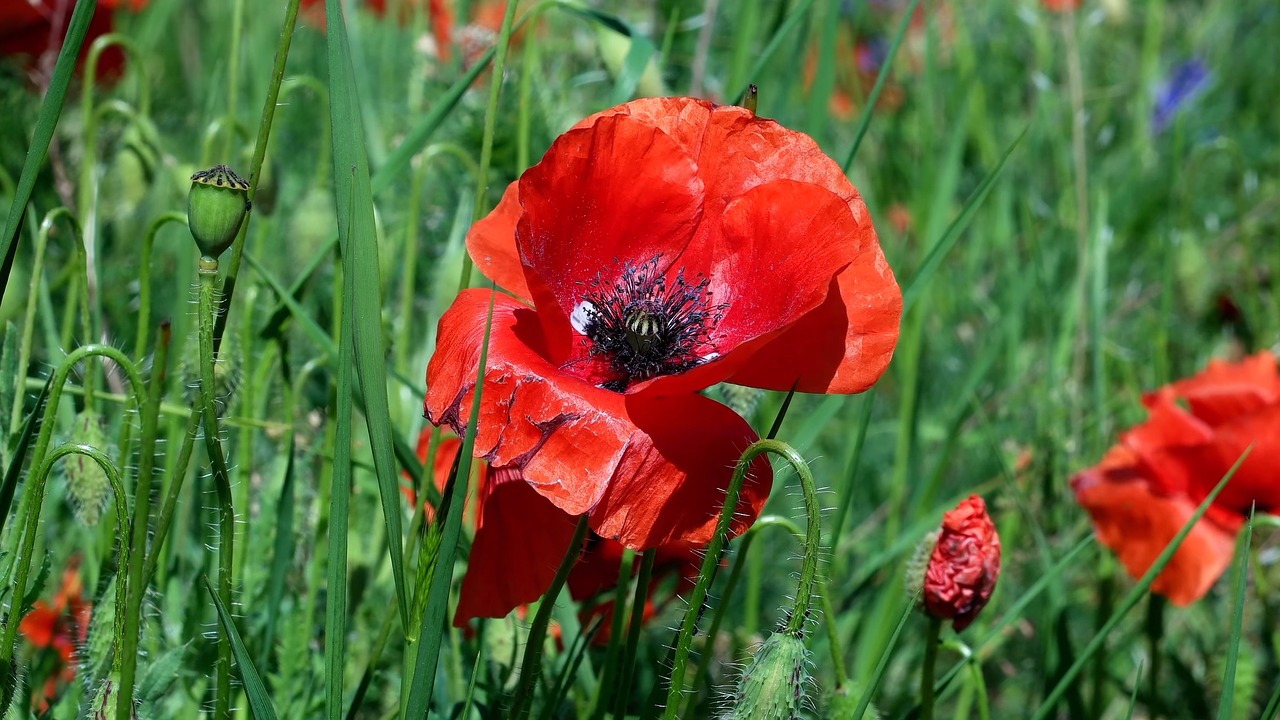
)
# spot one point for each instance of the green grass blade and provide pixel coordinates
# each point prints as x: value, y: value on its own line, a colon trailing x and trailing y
x: 916, y: 286
x: 282, y: 553
x: 883, y: 664
x: 50, y: 110
x: 362, y: 283
x: 335, y: 624
x: 1237, y: 622
x: 259, y: 698
x: 1130, y: 600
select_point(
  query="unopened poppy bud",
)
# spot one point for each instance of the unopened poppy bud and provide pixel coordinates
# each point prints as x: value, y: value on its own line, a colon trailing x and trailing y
x: 773, y: 685
x: 963, y: 564
x: 216, y: 207
x: 87, y: 484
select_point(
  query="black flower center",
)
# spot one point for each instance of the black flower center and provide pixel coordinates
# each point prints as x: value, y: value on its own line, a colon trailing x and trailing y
x: 646, y: 326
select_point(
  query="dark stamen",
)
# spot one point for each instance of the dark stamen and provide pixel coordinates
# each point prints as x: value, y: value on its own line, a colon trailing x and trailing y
x: 647, y: 327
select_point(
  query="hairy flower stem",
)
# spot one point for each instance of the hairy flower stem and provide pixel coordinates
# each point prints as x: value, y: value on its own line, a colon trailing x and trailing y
x: 127, y: 657
x: 928, y: 669
x: 710, y: 563
x: 531, y: 665
x: 633, y: 631
x: 221, y: 478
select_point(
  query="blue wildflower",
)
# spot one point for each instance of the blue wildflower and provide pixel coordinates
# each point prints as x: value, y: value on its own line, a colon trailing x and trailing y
x: 1187, y: 82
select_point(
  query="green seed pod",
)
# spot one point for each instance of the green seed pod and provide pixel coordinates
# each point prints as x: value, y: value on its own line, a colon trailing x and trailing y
x: 773, y: 685
x: 87, y: 482
x: 216, y: 207
x: 95, y: 656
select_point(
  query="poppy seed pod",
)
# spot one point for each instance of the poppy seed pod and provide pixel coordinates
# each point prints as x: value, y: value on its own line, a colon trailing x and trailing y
x: 216, y: 207
x: 87, y: 483
x: 963, y: 566
x: 773, y: 685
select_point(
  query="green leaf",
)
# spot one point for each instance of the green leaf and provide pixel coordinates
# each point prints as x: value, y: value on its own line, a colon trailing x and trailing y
x: 13, y: 473
x: 259, y: 699
x: 1237, y: 622
x: 362, y: 283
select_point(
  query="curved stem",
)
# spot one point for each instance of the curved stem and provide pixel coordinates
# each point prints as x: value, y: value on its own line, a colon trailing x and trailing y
x: 33, y: 490
x: 812, y: 547
x: 221, y: 479
x: 531, y: 666
x: 144, y: 280
x: 711, y: 562
x: 29, y: 320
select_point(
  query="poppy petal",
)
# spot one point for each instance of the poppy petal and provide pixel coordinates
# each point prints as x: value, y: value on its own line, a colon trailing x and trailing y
x: 1138, y: 524
x: 567, y: 435
x: 40, y: 625
x: 519, y: 544
x: 844, y: 345
x: 621, y: 191
x: 671, y: 481
x: 1224, y: 390
x: 779, y: 246
x: 491, y: 243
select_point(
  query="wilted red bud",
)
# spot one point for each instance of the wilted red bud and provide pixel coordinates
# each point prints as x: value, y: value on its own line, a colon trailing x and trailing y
x: 963, y: 566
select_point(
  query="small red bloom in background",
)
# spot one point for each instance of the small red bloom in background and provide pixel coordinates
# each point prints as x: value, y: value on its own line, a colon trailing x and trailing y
x: 1147, y: 487
x: 1061, y: 6
x: 964, y: 565
x: 658, y: 248
x: 61, y: 626
x: 521, y: 539
x: 33, y: 30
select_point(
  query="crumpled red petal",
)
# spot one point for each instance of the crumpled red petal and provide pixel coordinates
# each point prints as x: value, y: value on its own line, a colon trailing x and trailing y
x: 1138, y: 524
x: 567, y: 435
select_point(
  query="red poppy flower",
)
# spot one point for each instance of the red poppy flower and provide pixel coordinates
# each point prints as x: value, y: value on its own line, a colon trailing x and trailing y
x: 1147, y: 487
x: 62, y: 626
x: 658, y: 248
x: 34, y: 29
x: 521, y: 539
x: 964, y: 565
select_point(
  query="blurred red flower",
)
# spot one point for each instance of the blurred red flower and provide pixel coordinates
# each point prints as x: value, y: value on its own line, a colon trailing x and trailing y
x: 62, y: 626
x: 1061, y: 5
x: 33, y: 30
x: 1147, y: 487
x: 964, y: 565
x: 521, y: 539
x: 658, y: 248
